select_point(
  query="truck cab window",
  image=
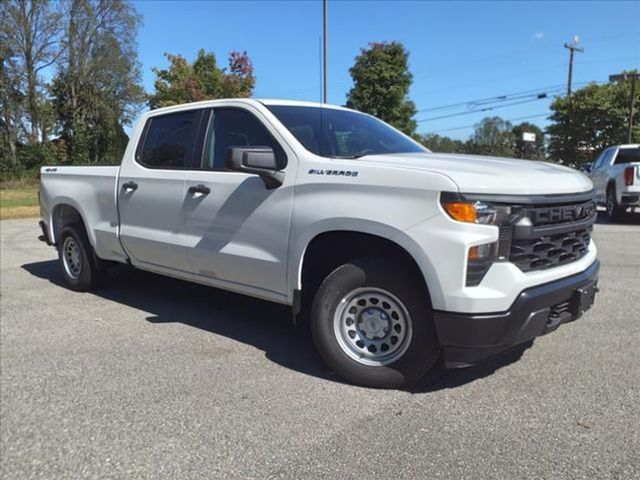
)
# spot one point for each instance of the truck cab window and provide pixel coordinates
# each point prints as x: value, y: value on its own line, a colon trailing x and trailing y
x: 234, y: 127
x: 169, y: 140
x: 627, y: 155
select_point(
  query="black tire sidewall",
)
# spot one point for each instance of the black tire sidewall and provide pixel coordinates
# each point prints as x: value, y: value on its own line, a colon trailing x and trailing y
x: 616, y: 212
x: 423, y: 350
x: 88, y: 272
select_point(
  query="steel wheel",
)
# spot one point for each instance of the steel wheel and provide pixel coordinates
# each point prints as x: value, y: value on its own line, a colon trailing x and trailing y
x: 71, y: 257
x: 372, y: 326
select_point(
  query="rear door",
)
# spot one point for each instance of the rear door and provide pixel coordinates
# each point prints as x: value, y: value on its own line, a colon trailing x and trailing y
x: 151, y: 191
x: 238, y: 230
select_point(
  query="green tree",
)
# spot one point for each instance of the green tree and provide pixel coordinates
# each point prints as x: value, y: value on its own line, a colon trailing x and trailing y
x: 97, y: 88
x: 30, y: 31
x: 591, y: 119
x: 441, y: 143
x: 381, y: 82
x: 11, y: 107
x: 492, y: 136
x: 184, y: 82
x: 529, y: 150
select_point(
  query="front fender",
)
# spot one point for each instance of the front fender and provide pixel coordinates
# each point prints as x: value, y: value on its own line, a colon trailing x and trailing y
x: 345, y: 224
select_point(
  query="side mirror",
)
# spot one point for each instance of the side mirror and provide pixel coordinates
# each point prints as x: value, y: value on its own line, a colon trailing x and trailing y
x: 257, y: 160
x: 586, y: 168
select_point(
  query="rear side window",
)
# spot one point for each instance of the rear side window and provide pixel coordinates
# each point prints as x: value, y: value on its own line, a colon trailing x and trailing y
x: 169, y: 140
x: 628, y: 155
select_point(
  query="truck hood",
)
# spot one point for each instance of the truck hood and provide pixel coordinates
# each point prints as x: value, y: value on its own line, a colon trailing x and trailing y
x: 480, y: 174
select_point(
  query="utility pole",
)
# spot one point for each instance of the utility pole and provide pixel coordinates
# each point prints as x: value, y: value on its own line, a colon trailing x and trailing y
x: 324, y: 51
x: 633, y: 76
x: 573, y: 47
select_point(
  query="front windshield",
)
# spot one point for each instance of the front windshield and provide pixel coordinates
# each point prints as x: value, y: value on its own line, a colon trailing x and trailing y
x: 345, y: 134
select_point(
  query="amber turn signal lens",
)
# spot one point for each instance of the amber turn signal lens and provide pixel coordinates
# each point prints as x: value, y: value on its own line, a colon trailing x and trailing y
x: 463, y: 212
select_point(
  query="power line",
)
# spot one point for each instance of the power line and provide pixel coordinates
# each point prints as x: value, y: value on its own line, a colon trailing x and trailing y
x: 499, y: 98
x: 537, y: 115
x: 485, y: 109
x: 548, y: 89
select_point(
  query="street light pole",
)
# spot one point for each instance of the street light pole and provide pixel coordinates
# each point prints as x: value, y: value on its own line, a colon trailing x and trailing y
x: 324, y: 51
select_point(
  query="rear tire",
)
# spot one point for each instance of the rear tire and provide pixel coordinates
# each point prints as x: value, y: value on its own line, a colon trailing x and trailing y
x: 614, y: 211
x: 372, y: 323
x: 77, y: 259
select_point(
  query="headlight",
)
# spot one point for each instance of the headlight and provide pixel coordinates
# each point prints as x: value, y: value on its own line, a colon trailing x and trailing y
x: 481, y: 257
x: 477, y: 212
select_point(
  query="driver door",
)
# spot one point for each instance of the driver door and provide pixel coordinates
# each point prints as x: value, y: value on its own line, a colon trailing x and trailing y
x: 237, y: 230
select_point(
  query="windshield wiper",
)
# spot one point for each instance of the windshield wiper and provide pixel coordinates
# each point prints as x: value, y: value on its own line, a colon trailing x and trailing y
x: 350, y: 157
x: 356, y: 155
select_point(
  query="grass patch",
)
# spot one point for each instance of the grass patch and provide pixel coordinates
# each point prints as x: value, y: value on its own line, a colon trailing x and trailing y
x: 18, y: 183
x: 19, y: 203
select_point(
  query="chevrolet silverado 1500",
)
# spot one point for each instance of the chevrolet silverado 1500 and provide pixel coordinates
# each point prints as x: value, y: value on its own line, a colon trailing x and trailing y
x: 395, y: 255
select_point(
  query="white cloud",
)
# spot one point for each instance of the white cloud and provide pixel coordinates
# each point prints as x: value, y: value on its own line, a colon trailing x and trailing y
x: 538, y: 35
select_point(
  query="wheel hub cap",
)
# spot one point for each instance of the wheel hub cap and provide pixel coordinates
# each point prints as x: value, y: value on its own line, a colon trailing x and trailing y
x: 372, y: 326
x: 374, y: 323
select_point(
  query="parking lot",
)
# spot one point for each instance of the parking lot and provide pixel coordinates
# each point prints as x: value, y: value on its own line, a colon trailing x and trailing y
x: 155, y: 378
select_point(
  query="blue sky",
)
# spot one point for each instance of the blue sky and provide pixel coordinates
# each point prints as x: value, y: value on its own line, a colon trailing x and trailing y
x: 459, y: 51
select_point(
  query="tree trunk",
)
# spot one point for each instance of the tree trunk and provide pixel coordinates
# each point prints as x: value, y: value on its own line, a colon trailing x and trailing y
x: 8, y: 131
x: 32, y: 100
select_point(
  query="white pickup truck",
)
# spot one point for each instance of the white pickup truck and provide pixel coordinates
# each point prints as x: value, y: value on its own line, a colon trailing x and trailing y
x: 395, y: 255
x: 616, y: 179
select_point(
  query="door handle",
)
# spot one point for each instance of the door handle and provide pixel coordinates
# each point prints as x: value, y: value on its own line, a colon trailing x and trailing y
x: 130, y: 186
x: 203, y: 189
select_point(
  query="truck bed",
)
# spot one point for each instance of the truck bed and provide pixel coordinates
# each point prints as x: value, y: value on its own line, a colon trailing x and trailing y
x: 91, y: 191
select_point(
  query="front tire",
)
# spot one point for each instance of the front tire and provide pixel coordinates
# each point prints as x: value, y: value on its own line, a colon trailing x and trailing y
x: 614, y: 211
x: 372, y: 323
x: 79, y: 265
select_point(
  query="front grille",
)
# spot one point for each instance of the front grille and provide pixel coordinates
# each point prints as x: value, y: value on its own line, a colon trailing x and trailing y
x: 549, y: 250
x: 555, y: 214
x: 538, y: 231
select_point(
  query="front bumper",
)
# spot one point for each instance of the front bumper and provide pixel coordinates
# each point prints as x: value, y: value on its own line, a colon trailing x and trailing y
x: 468, y: 338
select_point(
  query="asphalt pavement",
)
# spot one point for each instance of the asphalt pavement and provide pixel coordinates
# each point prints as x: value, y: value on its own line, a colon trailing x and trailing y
x: 151, y: 377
